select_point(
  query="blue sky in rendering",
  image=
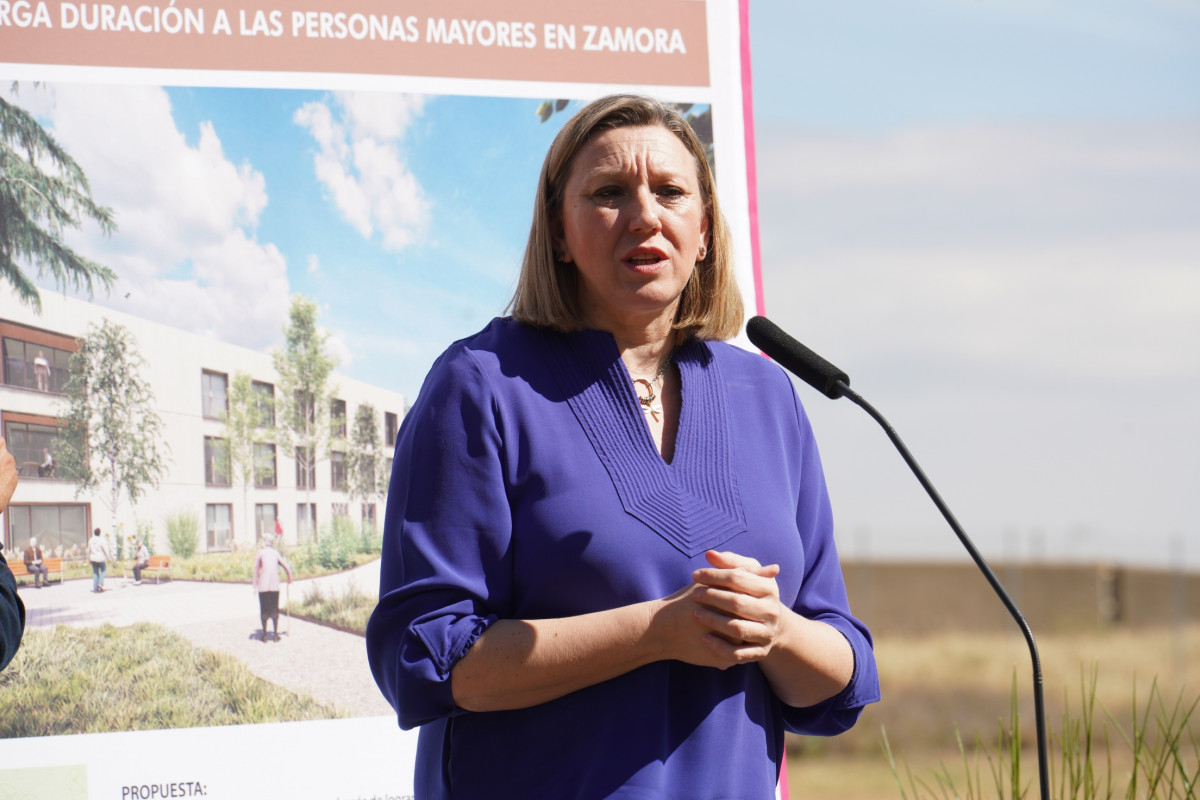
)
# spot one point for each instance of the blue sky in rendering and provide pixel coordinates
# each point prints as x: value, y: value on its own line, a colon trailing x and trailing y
x: 986, y: 213
x: 394, y: 291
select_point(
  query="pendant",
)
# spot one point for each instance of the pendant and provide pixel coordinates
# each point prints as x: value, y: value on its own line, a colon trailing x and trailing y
x: 650, y: 404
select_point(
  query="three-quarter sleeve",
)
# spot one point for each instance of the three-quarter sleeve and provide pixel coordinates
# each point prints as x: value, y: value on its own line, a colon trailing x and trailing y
x: 445, y: 575
x: 823, y: 597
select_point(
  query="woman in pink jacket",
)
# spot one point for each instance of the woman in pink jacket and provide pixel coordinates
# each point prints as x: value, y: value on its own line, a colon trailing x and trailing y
x: 266, y: 583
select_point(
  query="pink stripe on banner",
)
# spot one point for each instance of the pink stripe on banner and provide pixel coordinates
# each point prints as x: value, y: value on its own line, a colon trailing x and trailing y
x: 781, y: 790
x: 752, y: 182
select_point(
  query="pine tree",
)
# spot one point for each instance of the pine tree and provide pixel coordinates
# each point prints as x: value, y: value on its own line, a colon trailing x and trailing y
x: 42, y: 192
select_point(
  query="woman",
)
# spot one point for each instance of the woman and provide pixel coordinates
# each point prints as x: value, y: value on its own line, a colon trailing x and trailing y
x: 266, y: 583
x: 98, y: 556
x: 608, y: 564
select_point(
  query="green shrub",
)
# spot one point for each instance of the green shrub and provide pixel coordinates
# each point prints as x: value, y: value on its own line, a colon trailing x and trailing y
x: 183, y: 533
x: 224, y: 567
x: 348, y: 610
x: 338, y: 546
x: 371, y: 539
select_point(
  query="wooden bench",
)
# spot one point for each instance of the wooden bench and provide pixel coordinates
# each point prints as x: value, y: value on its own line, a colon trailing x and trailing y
x: 159, y: 566
x: 52, y: 566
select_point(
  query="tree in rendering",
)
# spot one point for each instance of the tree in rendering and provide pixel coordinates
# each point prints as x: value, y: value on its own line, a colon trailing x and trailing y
x: 364, y: 459
x: 110, y: 439
x: 247, y: 425
x: 302, y: 405
x: 42, y: 192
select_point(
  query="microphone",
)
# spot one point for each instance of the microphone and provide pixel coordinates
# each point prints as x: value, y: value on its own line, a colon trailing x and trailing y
x: 796, y: 358
x: 833, y: 383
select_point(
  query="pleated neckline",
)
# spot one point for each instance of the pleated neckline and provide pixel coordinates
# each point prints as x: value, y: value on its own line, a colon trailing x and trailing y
x: 693, y: 502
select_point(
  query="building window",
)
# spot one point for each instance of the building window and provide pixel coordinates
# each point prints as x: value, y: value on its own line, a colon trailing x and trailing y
x: 214, y: 394
x: 341, y: 510
x: 306, y: 521
x: 216, y: 461
x: 337, y: 470
x: 306, y: 468
x: 265, y: 515
x: 264, y: 402
x: 337, y: 418
x: 33, y: 446
x: 219, y: 525
x: 264, y: 465
x: 391, y: 424
x: 61, y: 530
x: 368, y: 514
x: 35, y: 366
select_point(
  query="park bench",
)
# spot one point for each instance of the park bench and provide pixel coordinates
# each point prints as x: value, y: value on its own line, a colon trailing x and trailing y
x: 52, y: 565
x: 159, y: 566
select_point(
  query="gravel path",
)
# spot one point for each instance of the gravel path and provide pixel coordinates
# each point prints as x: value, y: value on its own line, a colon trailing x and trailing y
x: 328, y: 664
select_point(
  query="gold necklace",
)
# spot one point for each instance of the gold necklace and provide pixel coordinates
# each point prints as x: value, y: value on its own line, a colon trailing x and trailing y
x: 651, y: 403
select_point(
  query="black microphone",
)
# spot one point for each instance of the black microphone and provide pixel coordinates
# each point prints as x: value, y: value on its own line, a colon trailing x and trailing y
x: 796, y: 358
x: 833, y: 383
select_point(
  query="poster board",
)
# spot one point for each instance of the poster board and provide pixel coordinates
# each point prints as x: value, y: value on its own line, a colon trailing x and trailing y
x: 377, y: 159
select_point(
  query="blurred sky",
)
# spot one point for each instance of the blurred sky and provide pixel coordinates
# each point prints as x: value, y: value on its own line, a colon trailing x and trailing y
x: 988, y: 214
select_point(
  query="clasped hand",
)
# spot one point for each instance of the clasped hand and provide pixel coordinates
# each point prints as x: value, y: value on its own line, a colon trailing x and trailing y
x: 730, y: 613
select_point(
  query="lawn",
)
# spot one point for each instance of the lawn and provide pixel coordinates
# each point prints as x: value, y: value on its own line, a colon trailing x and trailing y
x: 348, y: 610
x: 141, y: 677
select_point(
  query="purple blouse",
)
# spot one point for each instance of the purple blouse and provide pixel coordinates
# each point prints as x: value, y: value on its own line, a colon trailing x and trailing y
x: 526, y: 485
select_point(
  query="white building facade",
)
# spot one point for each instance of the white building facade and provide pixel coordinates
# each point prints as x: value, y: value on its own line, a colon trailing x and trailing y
x: 190, y: 377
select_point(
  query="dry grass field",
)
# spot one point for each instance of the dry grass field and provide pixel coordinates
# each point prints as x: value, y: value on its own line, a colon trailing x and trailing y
x: 931, y: 684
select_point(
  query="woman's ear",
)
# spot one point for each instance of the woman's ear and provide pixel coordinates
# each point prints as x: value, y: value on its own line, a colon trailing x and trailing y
x: 559, y: 239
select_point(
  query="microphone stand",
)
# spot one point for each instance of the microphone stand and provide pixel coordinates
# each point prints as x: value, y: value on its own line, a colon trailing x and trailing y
x: 1039, y: 703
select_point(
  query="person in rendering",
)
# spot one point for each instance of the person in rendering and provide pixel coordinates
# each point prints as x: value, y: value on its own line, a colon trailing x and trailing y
x: 41, y: 372
x: 34, y: 564
x: 608, y: 563
x: 141, y: 560
x: 266, y: 583
x: 46, y: 468
x: 12, y: 609
x: 99, y: 558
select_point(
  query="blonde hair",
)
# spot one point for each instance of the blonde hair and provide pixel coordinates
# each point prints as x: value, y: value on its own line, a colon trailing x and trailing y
x: 547, y: 293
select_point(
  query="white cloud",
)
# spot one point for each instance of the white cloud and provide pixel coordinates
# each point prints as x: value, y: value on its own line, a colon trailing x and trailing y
x: 361, y: 165
x: 338, y: 348
x: 186, y: 215
x: 376, y: 115
x: 1010, y: 241
x: 1022, y: 301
